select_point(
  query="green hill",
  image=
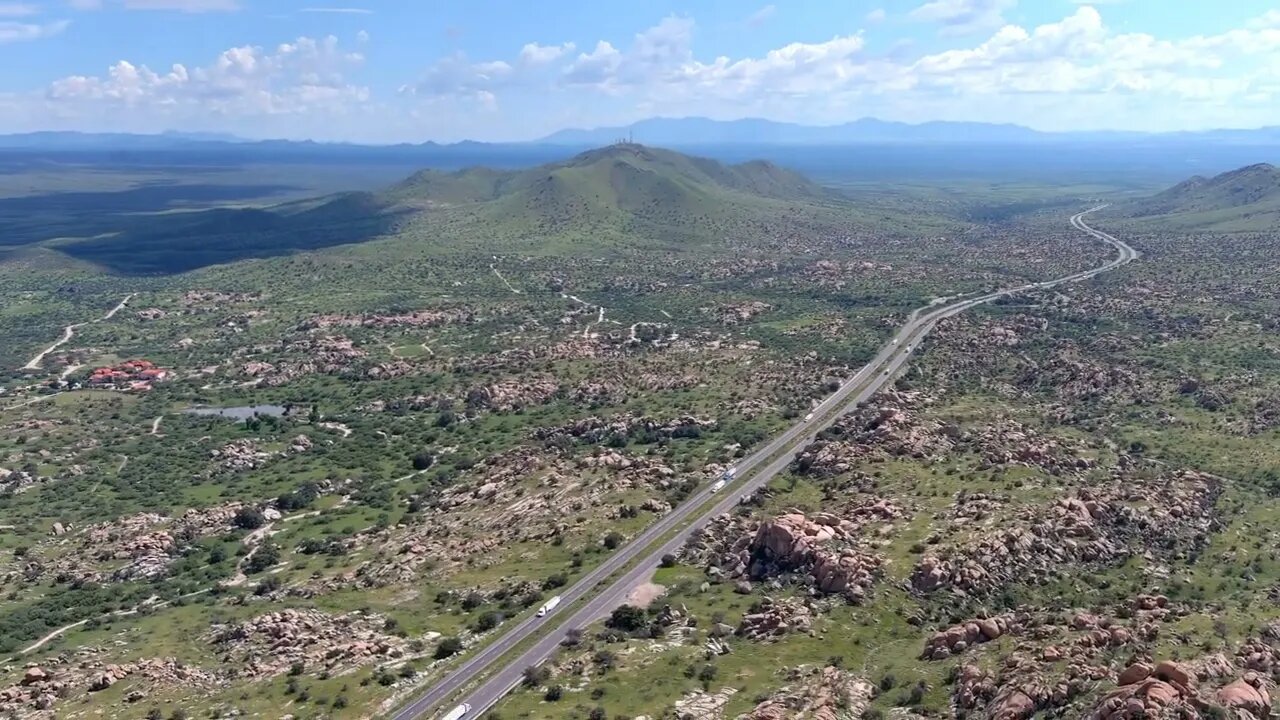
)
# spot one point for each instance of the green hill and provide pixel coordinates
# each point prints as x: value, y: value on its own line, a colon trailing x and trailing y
x: 624, y: 198
x: 627, y: 177
x: 1247, y: 199
x: 621, y: 195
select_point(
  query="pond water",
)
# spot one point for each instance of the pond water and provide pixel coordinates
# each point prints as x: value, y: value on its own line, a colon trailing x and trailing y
x: 243, y: 412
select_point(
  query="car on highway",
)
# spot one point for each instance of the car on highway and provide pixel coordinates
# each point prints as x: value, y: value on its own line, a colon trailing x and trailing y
x: 457, y: 713
x: 808, y: 417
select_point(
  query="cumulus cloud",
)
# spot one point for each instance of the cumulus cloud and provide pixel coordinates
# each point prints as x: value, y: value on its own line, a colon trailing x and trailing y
x: 11, y: 32
x: 17, y: 9
x: 535, y: 54
x: 1077, y: 56
x: 961, y: 17
x: 458, y: 77
x: 303, y: 76
x: 875, y: 16
x: 1074, y: 71
x: 654, y: 54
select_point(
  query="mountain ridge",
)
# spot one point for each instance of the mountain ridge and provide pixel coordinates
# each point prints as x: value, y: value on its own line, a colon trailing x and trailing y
x: 666, y: 131
x: 626, y: 166
x: 635, y: 194
x: 1246, y: 198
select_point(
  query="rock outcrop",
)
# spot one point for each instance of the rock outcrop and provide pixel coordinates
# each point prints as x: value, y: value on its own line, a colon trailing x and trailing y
x: 826, y: 693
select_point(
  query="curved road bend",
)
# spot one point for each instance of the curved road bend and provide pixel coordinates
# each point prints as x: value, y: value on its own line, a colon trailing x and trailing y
x: 69, y: 331
x: 865, y: 383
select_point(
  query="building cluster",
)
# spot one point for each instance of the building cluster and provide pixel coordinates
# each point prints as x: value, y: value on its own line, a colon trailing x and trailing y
x: 133, y: 375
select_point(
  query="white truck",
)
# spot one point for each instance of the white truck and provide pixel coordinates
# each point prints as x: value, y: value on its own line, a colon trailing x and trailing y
x: 718, y: 486
x: 808, y: 417
x: 548, y: 606
x: 457, y: 713
x: 729, y: 474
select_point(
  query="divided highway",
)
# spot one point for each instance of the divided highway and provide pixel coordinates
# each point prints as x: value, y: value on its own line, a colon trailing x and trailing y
x: 753, y: 472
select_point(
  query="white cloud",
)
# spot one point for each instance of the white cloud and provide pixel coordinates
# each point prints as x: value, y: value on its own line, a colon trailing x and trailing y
x: 1074, y: 72
x: 595, y: 67
x: 11, y: 32
x: 299, y: 77
x: 654, y: 55
x: 961, y: 17
x: 535, y: 54
x: 1021, y: 71
x: 456, y: 76
x: 1267, y: 21
x: 17, y: 9
x: 762, y: 15
x: 875, y: 16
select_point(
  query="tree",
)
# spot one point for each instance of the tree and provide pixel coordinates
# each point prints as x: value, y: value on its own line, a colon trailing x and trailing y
x: 267, y: 554
x: 627, y: 618
x: 668, y: 560
x: 535, y: 676
x: 423, y: 460
x: 553, y: 694
x: 488, y: 621
x: 605, y: 659
x: 298, y: 499
x: 249, y: 518
x: 448, y: 647
x: 613, y: 540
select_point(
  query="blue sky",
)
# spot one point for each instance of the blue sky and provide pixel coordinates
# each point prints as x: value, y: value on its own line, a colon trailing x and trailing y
x: 383, y: 71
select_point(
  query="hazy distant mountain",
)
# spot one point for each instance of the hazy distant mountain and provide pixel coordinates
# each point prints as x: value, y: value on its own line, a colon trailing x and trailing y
x: 870, y: 131
x: 699, y: 134
x: 702, y: 131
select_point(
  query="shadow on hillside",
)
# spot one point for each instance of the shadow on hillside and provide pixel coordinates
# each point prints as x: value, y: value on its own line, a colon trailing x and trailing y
x: 35, y: 218
x: 170, y: 244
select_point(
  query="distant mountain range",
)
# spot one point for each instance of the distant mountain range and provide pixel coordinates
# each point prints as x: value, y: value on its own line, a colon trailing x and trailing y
x: 870, y: 131
x: 674, y: 132
x: 702, y: 131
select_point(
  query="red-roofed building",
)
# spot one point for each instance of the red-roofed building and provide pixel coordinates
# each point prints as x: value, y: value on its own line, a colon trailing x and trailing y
x: 132, y: 375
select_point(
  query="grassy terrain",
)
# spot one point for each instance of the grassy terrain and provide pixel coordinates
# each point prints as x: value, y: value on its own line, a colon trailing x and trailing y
x: 507, y: 374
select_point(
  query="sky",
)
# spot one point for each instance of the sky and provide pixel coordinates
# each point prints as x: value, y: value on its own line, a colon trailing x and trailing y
x: 497, y: 70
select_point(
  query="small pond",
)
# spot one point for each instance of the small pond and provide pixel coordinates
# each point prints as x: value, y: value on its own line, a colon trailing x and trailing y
x: 243, y: 412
